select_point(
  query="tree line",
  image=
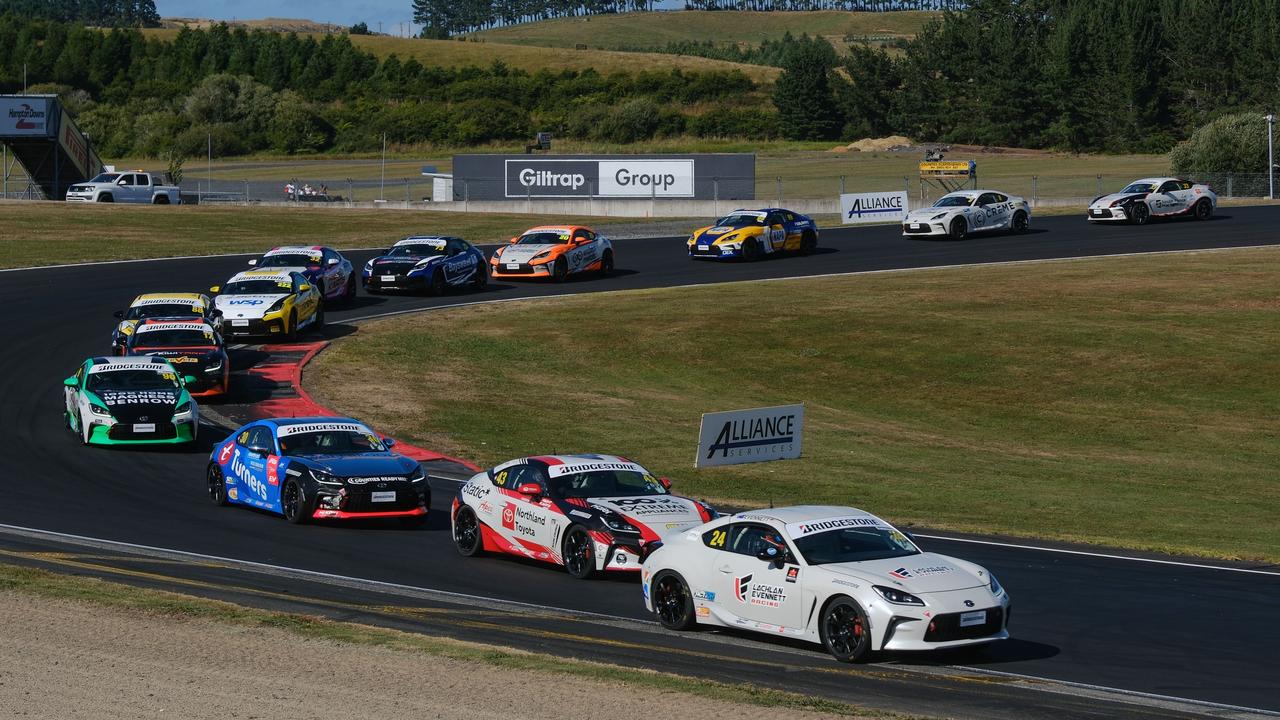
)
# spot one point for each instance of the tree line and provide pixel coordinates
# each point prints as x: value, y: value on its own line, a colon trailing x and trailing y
x: 442, y: 18
x: 1115, y: 75
x: 252, y: 90
x: 99, y: 13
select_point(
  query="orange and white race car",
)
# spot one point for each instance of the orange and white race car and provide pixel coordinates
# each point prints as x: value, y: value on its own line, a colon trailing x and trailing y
x: 554, y: 252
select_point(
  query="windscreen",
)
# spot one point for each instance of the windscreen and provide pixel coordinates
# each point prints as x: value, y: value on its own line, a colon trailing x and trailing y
x: 543, y: 238
x: 141, y: 312
x: 1140, y: 188
x: 121, y: 380
x: 330, y: 442
x: 290, y: 260
x: 416, y: 250
x: 739, y: 219
x: 106, y: 178
x: 954, y: 201
x: 257, y: 287
x: 605, y: 484
x: 854, y: 544
x: 193, y: 337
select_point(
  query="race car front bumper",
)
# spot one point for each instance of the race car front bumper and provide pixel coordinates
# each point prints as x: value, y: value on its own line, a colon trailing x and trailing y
x: 1104, y: 214
x: 520, y: 270
x: 944, y: 624
x: 382, y: 283
x: 110, y: 432
x: 711, y: 250
x: 253, y: 327
x: 347, y: 504
x: 924, y: 229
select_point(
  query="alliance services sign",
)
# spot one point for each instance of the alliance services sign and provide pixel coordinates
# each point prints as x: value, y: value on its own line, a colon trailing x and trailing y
x: 876, y: 207
x: 755, y: 435
x: 704, y: 176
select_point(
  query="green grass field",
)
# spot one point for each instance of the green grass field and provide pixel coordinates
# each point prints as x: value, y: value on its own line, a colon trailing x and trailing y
x: 656, y: 29
x: 1125, y: 401
x: 40, y: 233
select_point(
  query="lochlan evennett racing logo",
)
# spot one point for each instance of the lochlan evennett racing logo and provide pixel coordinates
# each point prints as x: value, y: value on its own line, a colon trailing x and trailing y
x: 876, y: 206
x: 741, y: 437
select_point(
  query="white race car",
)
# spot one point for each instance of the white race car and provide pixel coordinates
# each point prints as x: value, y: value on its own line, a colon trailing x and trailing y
x: 831, y: 575
x: 956, y: 215
x: 1144, y: 199
x: 588, y: 513
x: 273, y: 303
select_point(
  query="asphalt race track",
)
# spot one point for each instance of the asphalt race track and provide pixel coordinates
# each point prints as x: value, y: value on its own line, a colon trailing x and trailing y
x: 1200, y: 633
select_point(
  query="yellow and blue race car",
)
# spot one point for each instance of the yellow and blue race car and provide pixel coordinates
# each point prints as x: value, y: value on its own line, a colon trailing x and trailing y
x: 270, y: 303
x: 751, y: 234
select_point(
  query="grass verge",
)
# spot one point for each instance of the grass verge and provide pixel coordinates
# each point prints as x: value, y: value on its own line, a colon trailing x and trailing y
x: 1122, y: 401
x: 42, y: 233
x: 44, y: 584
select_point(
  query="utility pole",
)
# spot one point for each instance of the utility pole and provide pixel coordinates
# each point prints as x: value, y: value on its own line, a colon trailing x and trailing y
x: 1271, y: 156
x: 383, y: 186
x: 208, y: 163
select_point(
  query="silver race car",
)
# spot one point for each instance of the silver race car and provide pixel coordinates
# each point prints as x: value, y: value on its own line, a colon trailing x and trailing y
x: 957, y: 215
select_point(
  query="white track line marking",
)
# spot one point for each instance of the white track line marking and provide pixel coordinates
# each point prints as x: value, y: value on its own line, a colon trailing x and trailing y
x: 1038, y: 683
x: 92, y: 263
x: 1107, y: 556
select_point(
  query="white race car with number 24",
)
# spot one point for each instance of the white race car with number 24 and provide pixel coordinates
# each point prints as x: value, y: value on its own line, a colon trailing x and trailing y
x: 959, y: 214
x: 831, y: 575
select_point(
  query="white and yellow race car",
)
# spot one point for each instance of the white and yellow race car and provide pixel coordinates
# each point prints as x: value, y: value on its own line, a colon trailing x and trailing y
x: 268, y: 303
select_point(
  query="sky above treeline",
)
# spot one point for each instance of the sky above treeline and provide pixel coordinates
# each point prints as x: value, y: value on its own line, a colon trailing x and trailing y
x: 395, y: 15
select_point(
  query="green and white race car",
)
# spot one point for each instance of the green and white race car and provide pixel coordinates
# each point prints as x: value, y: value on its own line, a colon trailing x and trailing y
x: 130, y: 401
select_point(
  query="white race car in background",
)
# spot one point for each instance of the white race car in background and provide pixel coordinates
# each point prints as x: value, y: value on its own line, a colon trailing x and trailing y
x: 1149, y: 198
x: 958, y: 214
x: 831, y: 575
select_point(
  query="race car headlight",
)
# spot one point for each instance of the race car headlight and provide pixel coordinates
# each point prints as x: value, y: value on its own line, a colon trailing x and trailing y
x: 214, y: 366
x: 325, y: 478
x: 544, y: 255
x: 498, y: 253
x: 277, y: 304
x: 994, y: 584
x: 939, y: 216
x: 99, y: 410
x: 618, y: 524
x: 897, y: 597
x: 421, y: 264
x: 418, y: 475
x: 182, y: 409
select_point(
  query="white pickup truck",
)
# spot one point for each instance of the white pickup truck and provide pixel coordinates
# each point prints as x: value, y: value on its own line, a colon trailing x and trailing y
x: 125, y: 187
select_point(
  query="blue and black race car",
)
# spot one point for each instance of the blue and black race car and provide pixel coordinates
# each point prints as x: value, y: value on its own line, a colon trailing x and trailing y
x: 751, y: 234
x: 317, y: 468
x: 429, y: 263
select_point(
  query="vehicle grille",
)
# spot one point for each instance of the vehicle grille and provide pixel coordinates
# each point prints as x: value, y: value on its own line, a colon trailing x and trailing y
x: 944, y: 628
x: 524, y: 269
x: 1100, y: 213
x: 922, y: 230
x: 392, y: 268
x: 124, y: 431
x: 406, y: 499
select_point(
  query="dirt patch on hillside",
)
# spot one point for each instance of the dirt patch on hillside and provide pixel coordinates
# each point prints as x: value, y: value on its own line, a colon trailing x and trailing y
x: 69, y: 661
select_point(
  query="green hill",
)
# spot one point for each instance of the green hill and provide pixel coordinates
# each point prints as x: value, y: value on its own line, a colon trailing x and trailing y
x: 656, y: 29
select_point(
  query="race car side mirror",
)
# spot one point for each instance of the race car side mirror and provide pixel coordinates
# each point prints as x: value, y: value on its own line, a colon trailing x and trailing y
x: 333, y: 261
x: 215, y: 289
x: 119, y: 314
x: 71, y: 382
x: 258, y: 450
x: 304, y: 287
x: 530, y: 489
x: 253, y: 262
x: 666, y: 482
x: 389, y: 442
x: 513, y: 241
x: 188, y: 379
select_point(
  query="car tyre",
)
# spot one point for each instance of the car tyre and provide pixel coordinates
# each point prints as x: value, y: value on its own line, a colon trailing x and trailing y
x: 217, y: 486
x: 292, y: 333
x: 467, y: 536
x: 808, y: 242
x: 482, y: 277
x: 959, y: 229
x: 160, y: 200
x: 844, y: 630
x: 606, y: 264
x: 293, y: 503
x: 579, y: 553
x: 349, y: 295
x: 1019, y: 224
x: 1204, y: 210
x: 319, y: 321
x: 1139, y: 213
x: 560, y: 270
x: 750, y: 251
x: 106, y: 197
x: 672, y: 601
x: 436, y: 287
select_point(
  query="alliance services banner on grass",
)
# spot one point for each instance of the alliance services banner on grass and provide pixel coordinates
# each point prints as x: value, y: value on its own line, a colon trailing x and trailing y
x: 877, y: 207
x: 754, y: 435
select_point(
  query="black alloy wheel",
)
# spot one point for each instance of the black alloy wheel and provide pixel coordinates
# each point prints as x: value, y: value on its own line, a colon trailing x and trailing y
x: 959, y: 229
x: 292, y: 333
x: 217, y: 488
x: 349, y: 294
x: 845, y: 631
x: 1139, y: 213
x: 293, y: 503
x: 579, y: 553
x: 560, y: 271
x: 482, y: 277
x: 1204, y: 210
x: 606, y: 264
x: 466, y: 533
x: 750, y: 251
x: 1019, y: 224
x: 319, y: 321
x: 808, y: 242
x: 672, y: 601
x: 436, y: 288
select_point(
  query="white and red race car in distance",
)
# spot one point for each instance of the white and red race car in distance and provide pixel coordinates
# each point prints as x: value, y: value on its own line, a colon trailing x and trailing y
x: 1149, y: 198
x: 837, y: 576
x: 589, y: 513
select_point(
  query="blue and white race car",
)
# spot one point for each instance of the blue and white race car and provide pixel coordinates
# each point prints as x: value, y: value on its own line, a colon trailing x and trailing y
x: 426, y: 262
x: 317, y: 468
x: 751, y: 234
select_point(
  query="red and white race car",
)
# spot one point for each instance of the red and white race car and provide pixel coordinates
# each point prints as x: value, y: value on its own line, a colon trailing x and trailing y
x: 1142, y: 200
x: 588, y: 513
